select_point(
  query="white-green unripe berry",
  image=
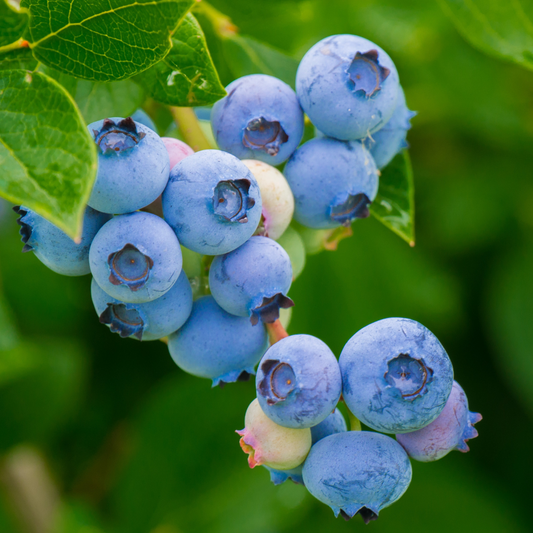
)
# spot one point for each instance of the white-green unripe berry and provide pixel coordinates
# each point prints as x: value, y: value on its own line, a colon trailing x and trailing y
x: 272, y: 445
x: 293, y: 244
x: 278, y: 201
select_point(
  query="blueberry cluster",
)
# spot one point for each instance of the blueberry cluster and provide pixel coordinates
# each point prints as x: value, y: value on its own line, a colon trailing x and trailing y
x: 196, y: 249
x: 394, y: 376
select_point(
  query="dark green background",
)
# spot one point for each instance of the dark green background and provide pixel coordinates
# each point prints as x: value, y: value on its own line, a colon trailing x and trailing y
x: 168, y: 460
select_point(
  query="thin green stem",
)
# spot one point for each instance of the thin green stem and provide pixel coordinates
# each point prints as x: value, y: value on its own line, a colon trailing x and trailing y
x: 222, y: 24
x: 21, y: 43
x: 189, y: 128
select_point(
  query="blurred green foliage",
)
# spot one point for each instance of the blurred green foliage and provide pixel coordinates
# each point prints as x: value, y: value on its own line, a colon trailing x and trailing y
x: 138, y: 446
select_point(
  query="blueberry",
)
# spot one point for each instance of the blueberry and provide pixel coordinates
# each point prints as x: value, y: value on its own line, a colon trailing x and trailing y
x: 334, y: 423
x: 449, y: 431
x: 396, y: 375
x: 212, y: 201
x: 177, y: 150
x: 271, y: 445
x: 53, y: 247
x: 252, y: 280
x: 357, y: 472
x: 133, y: 166
x: 216, y: 345
x: 298, y: 381
x: 135, y: 258
x: 145, y: 321
x: 391, y: 139
x: 260, y: 118
x: 276, y: 196
x: 333, y: 182
x: 141, y: 117
x: 348, y: 86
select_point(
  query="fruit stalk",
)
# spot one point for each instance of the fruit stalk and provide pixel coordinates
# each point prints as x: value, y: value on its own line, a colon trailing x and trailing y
x: 276, y: 332
x: 189, y: 128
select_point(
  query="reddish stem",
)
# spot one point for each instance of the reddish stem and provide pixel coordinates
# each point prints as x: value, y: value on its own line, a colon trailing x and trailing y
x: 276, y: 332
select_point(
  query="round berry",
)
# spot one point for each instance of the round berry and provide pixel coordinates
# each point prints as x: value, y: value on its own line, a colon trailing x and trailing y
x: 135, y: 258
x: 396, y: 375
x: 348, y: 86
x: 260, y: 118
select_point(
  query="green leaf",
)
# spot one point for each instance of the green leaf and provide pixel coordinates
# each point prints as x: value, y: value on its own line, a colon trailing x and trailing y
x: 17, y: 58
x: 103, y: 40
x: 245, y: 55
x: 500, y: 28
x: 187, y: 76
x: 47, y: 156
x: 97, y: 100
x: 12, y: 23
x: 394, y: 205
x: 40, y: 385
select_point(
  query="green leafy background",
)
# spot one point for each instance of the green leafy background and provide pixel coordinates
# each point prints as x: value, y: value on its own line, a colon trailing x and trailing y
x: 138, y: 446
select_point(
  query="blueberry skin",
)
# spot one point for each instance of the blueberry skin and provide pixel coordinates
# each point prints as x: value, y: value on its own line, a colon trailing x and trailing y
x: 333, y: 182
x: 53, y: 247
x: 251, y: 98
x: 129, y: 179
x: 357, y: 472
x: 252, y: 280
x: 141, y: 117
x: 298, y: 382
x: 396, y: 375
x: 191, y: 202
x: 216, y: 345
x: 146, y: 321
x: 142, y: 238
x: 392, y: 138
x: 347, y: 92
x: 449, y: 431
x: 334, y: 423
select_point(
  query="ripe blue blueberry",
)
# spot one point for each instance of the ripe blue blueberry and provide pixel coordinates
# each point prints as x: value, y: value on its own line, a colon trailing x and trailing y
x: 252, y: 280
x: 357, y: 472
x: 53, y: 247
x: 145, y: 321
x: 133, y: 166
x: 298, y: 381
x: 391, y: 139
x: 449, y: 431
x: 216, y: 345
x: 396, y: 375
x: 334, y: 423
x: 212, y: 201
x: 135, y: 258
x: 348, y: 86
x: 260, y: 118
x: 333, y: 182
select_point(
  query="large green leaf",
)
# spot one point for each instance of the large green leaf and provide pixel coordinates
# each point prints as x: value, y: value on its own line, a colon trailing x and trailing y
x: 395, y: 203
x: 187, y: 76
x: 103, y: 40
x: 17, y: 58
x: 245, y: 55
x: 47, y: 156
x: 501, y: 28
x: 12, y: 23
x: 97, y: 100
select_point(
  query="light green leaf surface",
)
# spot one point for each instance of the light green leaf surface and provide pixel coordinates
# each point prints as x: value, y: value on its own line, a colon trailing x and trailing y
x: 103, y: 40
x: 12, y: 23
x: 245, y: 55
x: 47, y: 156
x: 18, y: 58
x: 394, y: 205
x: 97, y: 100
x: 502, y: 28
x: 187, y: 76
